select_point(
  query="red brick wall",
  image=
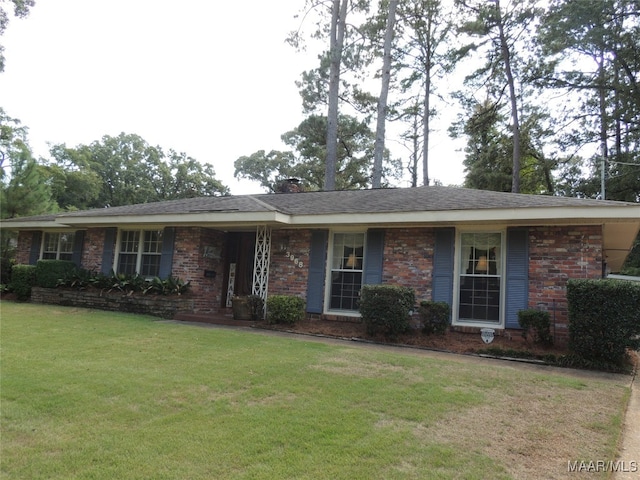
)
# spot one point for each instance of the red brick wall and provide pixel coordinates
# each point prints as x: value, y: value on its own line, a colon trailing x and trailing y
x: 92, y: 249
x: 408, y: 259
x: 24, y: 247
x: 557, y: 254
x: 189, y: 264
x: 289, y: 269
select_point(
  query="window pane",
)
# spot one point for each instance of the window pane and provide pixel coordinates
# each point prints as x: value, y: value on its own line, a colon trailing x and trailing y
x: 152, y: 242
x: 481, y: 253
x: 346, y: 272
x: 480, y: 282
x: 345, y: 290
x: 127, y: 263
x: 58, y: 246
x: 130, y: 255
x: 129, y: 241
x: 66, y: 242
x: 50, y: 250
x: 150, y: 265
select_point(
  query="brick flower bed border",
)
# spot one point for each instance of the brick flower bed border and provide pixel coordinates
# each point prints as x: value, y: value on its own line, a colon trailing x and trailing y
x: 155, y: 305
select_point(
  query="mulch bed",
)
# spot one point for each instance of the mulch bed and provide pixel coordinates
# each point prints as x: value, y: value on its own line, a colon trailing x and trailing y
x: 451, y: 341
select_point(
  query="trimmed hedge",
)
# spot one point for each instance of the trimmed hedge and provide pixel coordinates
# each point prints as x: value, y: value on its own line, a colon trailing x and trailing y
x: 434, y: 316
x: 22, y: 279
x: 285, y: 309
x: 51, y: 273
x: 386, y: 308
x: 604, y: 319
x: 538, y: 324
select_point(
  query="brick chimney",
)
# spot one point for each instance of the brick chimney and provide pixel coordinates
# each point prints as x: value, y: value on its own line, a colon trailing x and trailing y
x: 290, y: 185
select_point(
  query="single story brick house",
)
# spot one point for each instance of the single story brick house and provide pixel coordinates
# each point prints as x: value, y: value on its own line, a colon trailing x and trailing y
x: 487, y: 254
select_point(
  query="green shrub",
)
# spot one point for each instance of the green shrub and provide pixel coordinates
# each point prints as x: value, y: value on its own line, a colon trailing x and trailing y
x: 284, y: 309
x: 386, y: 308
x: 604, y: 319
x: 78, y: 279
x: 22, y: 279
x: 536, y: 323
x: 631, y: 271
x: 6, y: 264
x: 168, y: 286
x: 51, y: 273
x: 256, y: 306
x: 126, y: 283
x: 434, y: 316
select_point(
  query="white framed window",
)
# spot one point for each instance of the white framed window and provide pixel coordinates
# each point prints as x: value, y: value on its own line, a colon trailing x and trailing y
x: 346, y: 272
x: 480, y: 284
x: 139, y: 251
x: 57, y: 246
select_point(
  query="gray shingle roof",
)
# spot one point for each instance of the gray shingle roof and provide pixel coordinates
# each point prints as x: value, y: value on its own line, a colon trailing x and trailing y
x: 432, y: 198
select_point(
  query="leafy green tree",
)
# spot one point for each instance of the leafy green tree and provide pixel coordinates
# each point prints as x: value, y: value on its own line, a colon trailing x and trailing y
x: 497, y: 29
x: 590, y: 55
x: 185, y: 177
x: 20, y: 10
x: 126, y: 170
x: 13, y: 141
x: 487, y: 162
x: 26, y: 192
x: 326, y: 86
x: 306, y: 160
x: 489, y: 148
x: 424, y: 29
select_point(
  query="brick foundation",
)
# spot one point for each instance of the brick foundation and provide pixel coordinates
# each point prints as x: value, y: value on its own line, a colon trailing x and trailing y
x: 158, y: 306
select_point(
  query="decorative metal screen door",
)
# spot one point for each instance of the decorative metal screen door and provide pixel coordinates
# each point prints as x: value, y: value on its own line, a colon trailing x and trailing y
x: 261, y: 262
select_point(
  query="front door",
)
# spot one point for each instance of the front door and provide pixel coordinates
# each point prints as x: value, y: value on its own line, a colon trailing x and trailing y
x: 241, y: 248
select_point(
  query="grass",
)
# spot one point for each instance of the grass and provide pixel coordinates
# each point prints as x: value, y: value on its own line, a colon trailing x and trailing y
x: 97, y: 395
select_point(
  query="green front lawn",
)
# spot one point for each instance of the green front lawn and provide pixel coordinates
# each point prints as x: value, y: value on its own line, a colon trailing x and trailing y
x: 99, y: 395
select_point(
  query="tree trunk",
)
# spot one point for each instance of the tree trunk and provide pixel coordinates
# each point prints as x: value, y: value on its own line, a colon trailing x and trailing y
x: 604, y: 150
x: 506, y: 57
x: 426, y: 108
x: 378, y: 151
x: 338, y: 23
x: 428, y: 56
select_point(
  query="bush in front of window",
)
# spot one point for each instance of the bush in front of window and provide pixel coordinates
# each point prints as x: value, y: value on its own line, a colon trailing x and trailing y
x: 386, y: 309
x: 81, y: 279
x: 50, y: 273
x: 536, y: 323
x: 22, y: 279
x: 434, y: 317
x: 604, y: 319
x: 284, y: 309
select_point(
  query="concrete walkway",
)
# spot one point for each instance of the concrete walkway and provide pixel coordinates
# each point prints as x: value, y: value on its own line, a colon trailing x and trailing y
x: 629, y: 455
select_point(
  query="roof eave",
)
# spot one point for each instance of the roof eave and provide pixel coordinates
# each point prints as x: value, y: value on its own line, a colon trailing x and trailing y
x: 202, y: 218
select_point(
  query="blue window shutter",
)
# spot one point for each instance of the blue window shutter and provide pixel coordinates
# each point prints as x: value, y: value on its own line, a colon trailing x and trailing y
x: 166, y: 259
x: 517, y: 277
x: 36, y: 243
x: 317, y: 264
x: 443, y: 261
x: 373, y: 257
x: 108, y: 249
x: 78, y: 243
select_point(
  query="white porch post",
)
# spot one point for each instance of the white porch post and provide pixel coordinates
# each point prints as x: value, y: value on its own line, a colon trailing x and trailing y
x: 261, y: 262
